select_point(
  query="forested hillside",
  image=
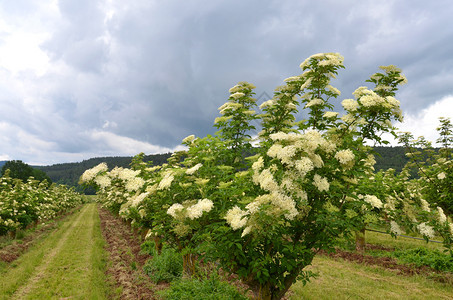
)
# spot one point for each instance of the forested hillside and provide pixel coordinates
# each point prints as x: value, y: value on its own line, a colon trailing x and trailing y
x: 390, y: 157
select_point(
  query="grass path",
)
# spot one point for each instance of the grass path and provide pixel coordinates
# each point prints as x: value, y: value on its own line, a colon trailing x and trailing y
x: 70, y: 263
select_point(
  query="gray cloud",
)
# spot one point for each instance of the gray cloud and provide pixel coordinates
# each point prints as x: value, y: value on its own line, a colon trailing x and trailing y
x: 149, y: 73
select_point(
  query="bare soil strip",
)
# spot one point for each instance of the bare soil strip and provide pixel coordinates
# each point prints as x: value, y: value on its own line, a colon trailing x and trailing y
x: 126, y: 261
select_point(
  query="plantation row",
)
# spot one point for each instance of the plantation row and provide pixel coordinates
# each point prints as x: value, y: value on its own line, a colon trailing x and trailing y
x: 23, y: 204
x: 264, y: 216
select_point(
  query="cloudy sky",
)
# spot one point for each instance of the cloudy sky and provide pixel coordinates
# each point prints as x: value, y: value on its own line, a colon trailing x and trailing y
x: 90, y: 78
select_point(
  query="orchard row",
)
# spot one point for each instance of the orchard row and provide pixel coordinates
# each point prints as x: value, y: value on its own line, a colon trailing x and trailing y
x: 24, y: 204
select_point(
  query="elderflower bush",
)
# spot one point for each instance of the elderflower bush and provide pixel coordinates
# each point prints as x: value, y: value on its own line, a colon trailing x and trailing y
x: 25, y: 203
x: 405, y: 208
x: 435, y: 171
x: 307, y: 175
x: 119, y: 189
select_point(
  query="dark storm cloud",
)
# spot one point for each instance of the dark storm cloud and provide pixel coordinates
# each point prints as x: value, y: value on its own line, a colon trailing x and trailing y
x: 149, y: 73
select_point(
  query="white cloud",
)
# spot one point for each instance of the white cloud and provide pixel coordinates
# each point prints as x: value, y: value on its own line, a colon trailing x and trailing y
x: 425, y: 122
x: 123, y: 145
x: 5, y: 157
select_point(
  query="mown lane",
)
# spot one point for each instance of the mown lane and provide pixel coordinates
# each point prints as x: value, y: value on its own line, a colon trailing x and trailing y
x: 70, y: 263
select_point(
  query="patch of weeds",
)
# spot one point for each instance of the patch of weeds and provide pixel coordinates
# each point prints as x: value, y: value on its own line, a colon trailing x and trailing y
x: 208, y: 289
x: 426, y: 257
x: 20, y: 234
x: 164, y: 267
x: 3, y: 266
x: 133, y: 265
x: 148, y: 247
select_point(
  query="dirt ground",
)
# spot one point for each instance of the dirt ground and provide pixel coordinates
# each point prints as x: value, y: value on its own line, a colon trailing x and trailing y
x: 126, y: 260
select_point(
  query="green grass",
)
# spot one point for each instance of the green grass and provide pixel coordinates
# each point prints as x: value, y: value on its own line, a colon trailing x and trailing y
x: 400, y: 242
x: 68, y: 263
x: 346, y: 280
x: 339, y: 279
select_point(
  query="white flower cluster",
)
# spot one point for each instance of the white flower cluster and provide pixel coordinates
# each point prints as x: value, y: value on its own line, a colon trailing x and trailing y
x: 134, y: 184
x: 236, y: 218
x: 426, y: 230
x: 345, y: 156
x: 196, y: 211
x: 90, y: 174
x: 441, y: 176
x: 189, y: 139
x: 350, y: 105
x: 241, y: 86
x: 425, y: 205
x: 334, y: 90
x: 137, y: 199
x: 314, y: 102
x: 175, y: 209
x: 324, y: 59
x: 237, y: 95
x: 229, y: 106
x: 395, y: 228
x: 330, y: 114
x: 166, y: 180
x: 192, y: 212
x: 321, y: 183
x: 103, y: 181
x: 373, y: 200
x: 195, y: 168
x: 442, y: 216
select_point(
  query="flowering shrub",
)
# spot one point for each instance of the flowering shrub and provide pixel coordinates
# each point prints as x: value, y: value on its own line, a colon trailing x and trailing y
x: 22, y: 204
x: 264, y: 217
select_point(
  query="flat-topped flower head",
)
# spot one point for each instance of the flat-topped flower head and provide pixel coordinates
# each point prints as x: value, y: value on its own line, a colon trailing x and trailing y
x: 314, y: 102
x: 395, y: 228
x: 189, y: 139
x: 330, y: 114
x: 345, y: 156
x: 195, y: 168
x: 237, y: 95
x: 350, y: 104
x: 175, y: 209
x: 236, y: 218
x: 166, y: 180
x: 426, y: 230
x: 103, y: 181
x: 441, y: 176
x: 321, y: 183
x: 134, y: 184
x: 90, y: 174
x: 374, y: 201
x: 196, y: 211
x: 442, y: 216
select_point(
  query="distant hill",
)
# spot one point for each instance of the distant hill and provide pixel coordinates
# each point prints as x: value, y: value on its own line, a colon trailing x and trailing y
x: 390, y: 157
x: 2, y: 163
